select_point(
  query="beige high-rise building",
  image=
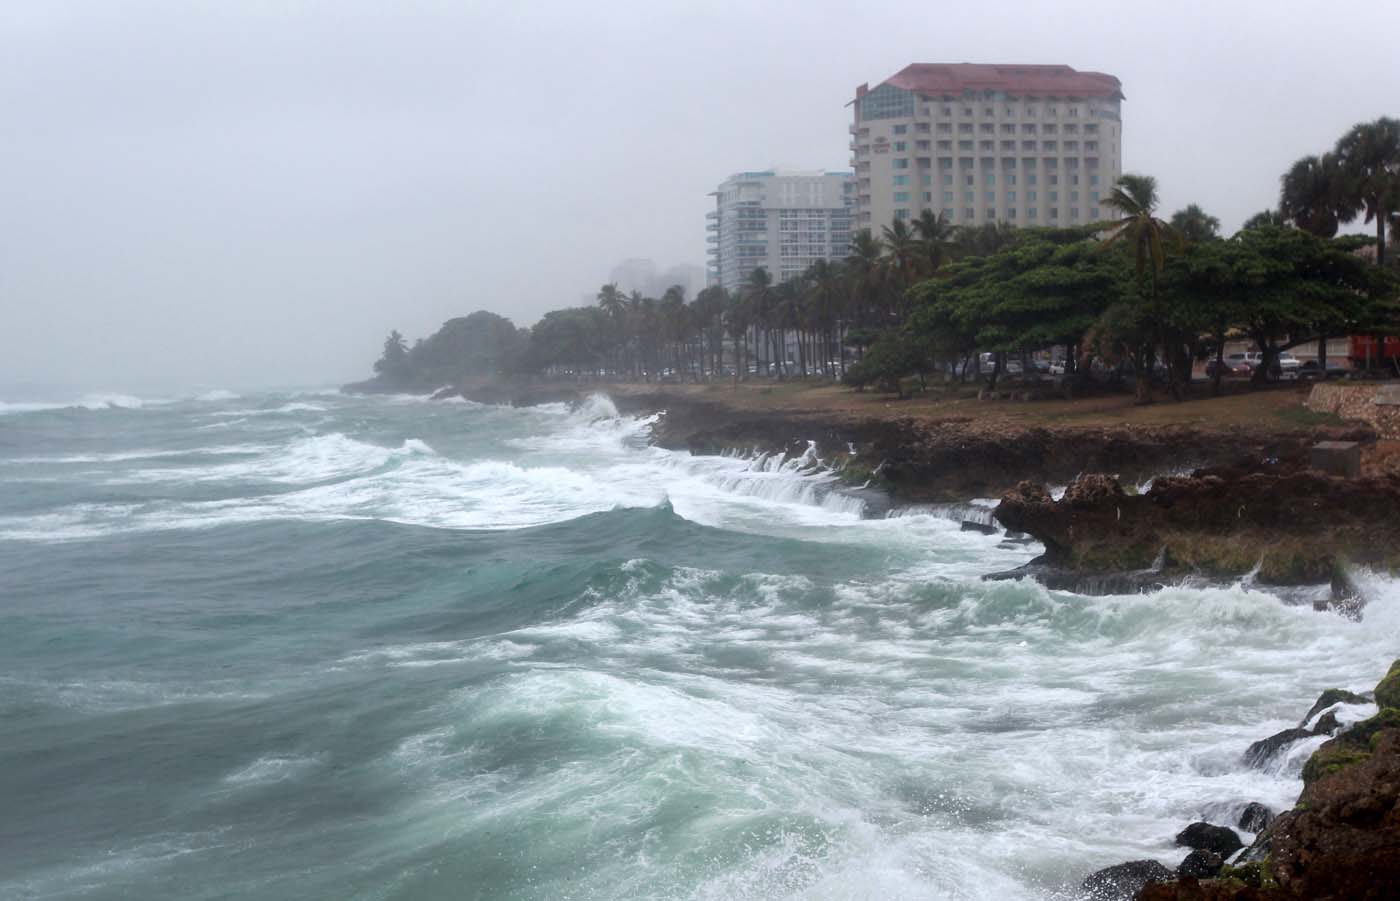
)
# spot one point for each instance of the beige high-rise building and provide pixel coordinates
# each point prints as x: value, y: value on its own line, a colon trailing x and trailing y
x: 1028, y: 145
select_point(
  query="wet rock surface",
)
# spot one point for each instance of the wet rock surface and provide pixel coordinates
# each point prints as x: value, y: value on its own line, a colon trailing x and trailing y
x: 1221, y: 840
x: 1292, y: 525
x: 1340, y: 841
x: 1124, y: 881
x: 1255, y: 817
x: 1200, y: 864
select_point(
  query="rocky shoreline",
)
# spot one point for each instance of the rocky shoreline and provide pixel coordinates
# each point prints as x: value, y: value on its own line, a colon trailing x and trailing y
x: 1341, y: 840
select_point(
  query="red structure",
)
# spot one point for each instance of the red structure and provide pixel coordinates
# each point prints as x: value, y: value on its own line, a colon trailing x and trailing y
x: 1363, y: 347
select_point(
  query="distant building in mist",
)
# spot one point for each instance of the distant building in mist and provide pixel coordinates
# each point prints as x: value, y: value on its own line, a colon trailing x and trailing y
x: 641, y: 275
x: 780, y: 220
x: 1024, y: 144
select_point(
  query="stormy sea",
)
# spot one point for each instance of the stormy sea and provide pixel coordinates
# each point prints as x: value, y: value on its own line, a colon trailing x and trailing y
x: 307, y: 645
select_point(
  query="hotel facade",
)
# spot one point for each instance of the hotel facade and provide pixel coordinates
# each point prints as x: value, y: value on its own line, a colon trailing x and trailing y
x: 1021, y: 144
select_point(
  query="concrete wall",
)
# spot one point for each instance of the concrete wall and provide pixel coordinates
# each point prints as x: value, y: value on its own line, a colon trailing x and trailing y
x: 1376, y: 405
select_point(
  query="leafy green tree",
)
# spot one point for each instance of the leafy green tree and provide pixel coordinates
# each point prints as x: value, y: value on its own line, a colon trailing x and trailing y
x: 392, y: 365
x: 1195, y: 224
x: 1265, y: 218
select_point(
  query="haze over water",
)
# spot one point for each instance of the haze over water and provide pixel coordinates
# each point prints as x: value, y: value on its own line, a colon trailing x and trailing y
x: 316, y: 646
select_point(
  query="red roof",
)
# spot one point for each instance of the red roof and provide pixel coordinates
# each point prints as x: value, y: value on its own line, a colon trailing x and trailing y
x: 955, y: 78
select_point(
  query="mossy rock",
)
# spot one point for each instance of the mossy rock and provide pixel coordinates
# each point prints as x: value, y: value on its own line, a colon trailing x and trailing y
x: 1388, y: 691
x: 1332, y: 758
x: 1333, y: 696
x: 1255, y: 874
x: 1363, y: 734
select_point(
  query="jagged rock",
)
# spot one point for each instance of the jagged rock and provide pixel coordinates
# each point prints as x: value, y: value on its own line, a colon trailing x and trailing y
x: 1209, y: 837
x: 1255, y: 817
x: 983, y: 527
x: 1328, y: 698
x: 1262, y: 751
x: 1343, y: 838
x: 1200, y: 864
x: 1294, y: 524
x: 1123, y: 881
x: 1327, y: 724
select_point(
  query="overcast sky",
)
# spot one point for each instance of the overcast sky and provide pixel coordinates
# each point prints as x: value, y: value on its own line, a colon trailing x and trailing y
x: 233, y: 194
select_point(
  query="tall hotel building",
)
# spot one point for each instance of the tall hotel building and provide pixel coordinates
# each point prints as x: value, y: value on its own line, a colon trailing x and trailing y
x: 778, y: 220
x: 1028, y: 145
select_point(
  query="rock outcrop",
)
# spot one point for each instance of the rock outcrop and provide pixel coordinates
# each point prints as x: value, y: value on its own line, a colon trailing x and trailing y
x: 1296, y: 526
x: 1340, y: 841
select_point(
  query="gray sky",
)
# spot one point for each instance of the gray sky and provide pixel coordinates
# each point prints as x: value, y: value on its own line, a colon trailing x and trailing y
x: 232, y: 194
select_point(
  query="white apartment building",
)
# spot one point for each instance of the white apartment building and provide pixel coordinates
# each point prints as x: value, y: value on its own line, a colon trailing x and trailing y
x: 1028, y: 145
x: 780, y: 220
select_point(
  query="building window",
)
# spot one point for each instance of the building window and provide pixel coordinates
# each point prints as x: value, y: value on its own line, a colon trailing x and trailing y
x: 967, y: 111
x: 1030, y: 112
x: 1094, y: 196
x: 948, y: 213
x: 1093, y: 212
x: 991, y: 215
x: 925, y: 179
x: 991, y: 178
x: 1011, y: 178
x: 928, y: 197
x: 991, y: 196
x: 947, y: 179
x: 1011, y: 212
x: 967, y: 197
x: 1030, y: 213
x: 925, y: 145
x: 901, y: 179
x: 1030, y: 179
x: 1073, y: 196
x: 1054, y: 196
x: 901, y: 196
x: 969, y: 180
x: 921, y: 128
x: 1054, y: 213
x: 1054, y: 179
x: 1050, y: 111
x: 900, y: 163
x: 1093, y: 179
x: 965, y: 146
x: 947, y: 111
x: 945, y: 163
x: 899, y: 147
x: 901, y: 129
x: 1010, y: 196
x: 901, y: 214
x: 1074, y: 212
x: 1030, y: 196
x: 1049, y: 146
x: 947, y: 196
x: 969, y: 213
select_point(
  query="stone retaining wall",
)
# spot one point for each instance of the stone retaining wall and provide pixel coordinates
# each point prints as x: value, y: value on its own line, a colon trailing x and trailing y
x: 1376, y: 405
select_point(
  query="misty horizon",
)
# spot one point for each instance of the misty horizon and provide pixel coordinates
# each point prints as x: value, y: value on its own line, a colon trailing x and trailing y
x: 248, y: 196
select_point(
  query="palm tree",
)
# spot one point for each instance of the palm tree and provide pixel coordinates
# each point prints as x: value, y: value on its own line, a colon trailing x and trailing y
x: 613, y: 303
x: 1368, y: 157
x: 904, y: 256
x: 1310, y: 194
x: 1134, y: 197
x: 1265, y: 219
x: 934, y: 234
x: 866, y: 274
x: 759, y: 294
x: 1195, y: 224
x: 824, y: 287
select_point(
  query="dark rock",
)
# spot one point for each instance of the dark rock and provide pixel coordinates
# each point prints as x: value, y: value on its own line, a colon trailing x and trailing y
x: 1255, y: 817
x: 1327, y: 724
x: 1123, y: 881
x: 1063, y: 578
x: 1343, y: 838
x: 985, y: 528
x: 1200, y: 864
x: 1262, y: 751
x: 1220, y: 523
x: 1328, y: 698
x: 1208, y: 837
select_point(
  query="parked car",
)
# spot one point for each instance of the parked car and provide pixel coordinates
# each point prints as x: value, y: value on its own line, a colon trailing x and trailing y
x: 1248, y: 359
x: 1057, y: 367
x: 1288, y: 366
x: 1228, y: 368
x: 1311, y: 370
